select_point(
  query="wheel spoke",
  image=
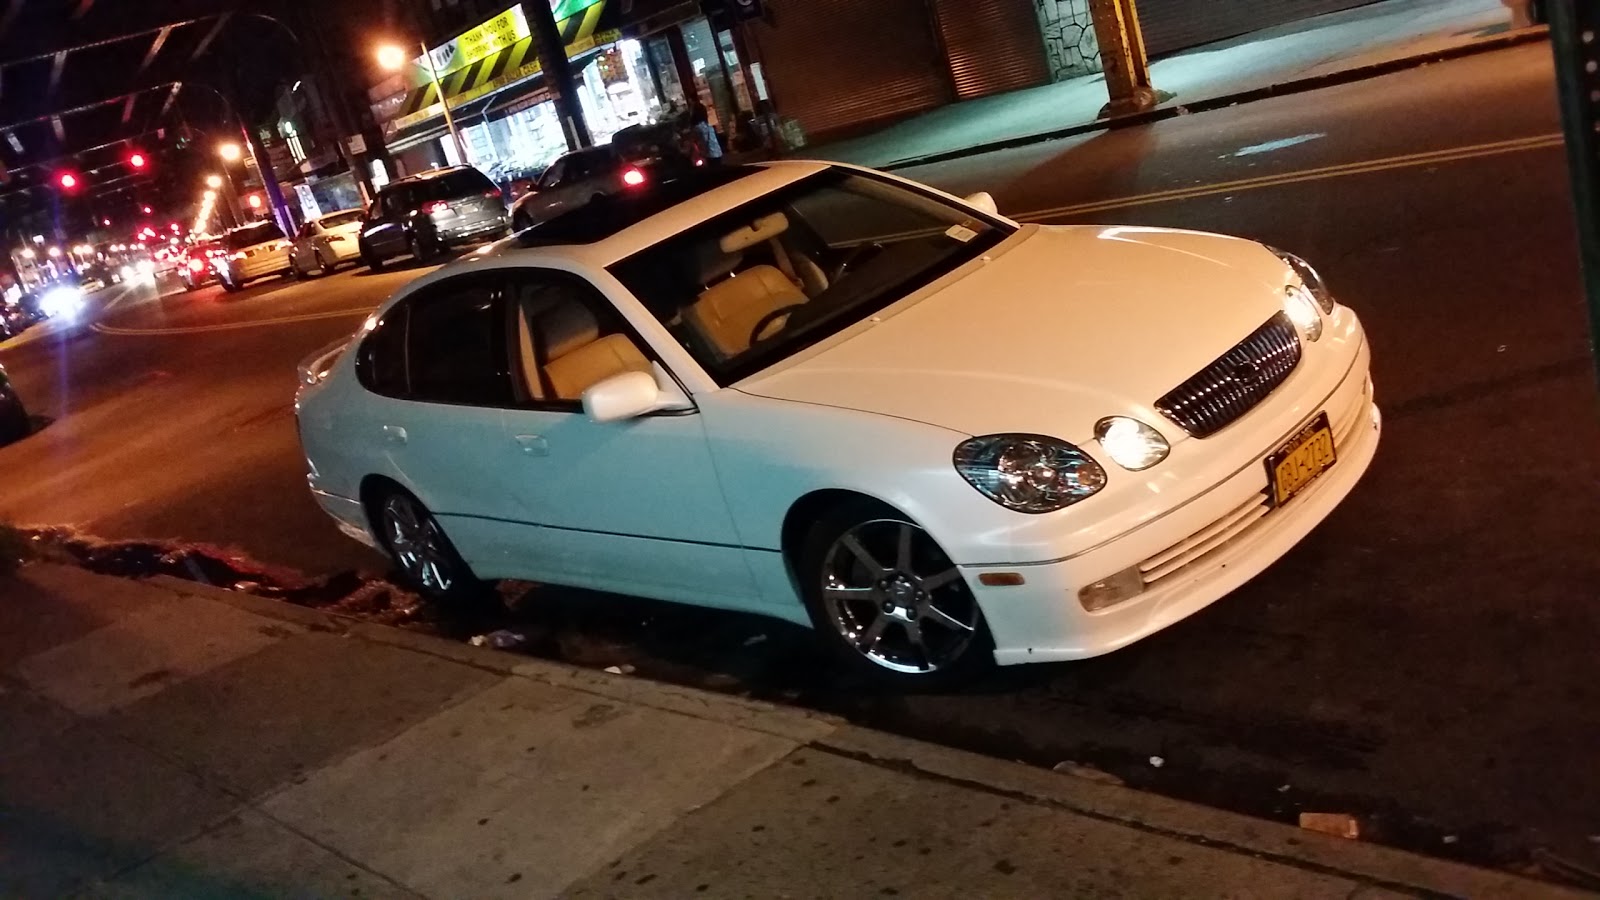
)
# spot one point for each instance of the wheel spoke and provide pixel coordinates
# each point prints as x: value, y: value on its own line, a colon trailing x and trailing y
x: 903, y: 550
x: 868, y: 641
x: 852, y: 544
x: 948, y: 576
x: 914, y: 635
x: 935, y: 614
x: 841, y: 594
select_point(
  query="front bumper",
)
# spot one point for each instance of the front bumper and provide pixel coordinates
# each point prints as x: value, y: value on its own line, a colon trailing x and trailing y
x: 1192, y: 555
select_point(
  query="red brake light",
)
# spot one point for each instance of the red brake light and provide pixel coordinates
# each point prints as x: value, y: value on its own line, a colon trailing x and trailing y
x: 632, y: 177
x: 196, y: 265
x: 492, y: 194
x: 434, y: 206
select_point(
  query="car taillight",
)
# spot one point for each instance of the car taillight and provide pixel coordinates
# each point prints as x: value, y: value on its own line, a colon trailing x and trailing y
x: 239, y: 255
x: 632, y: 177
x: 335, y: 238
x: 196, y: 265
x: 435, y: 206
x: 493, y: 194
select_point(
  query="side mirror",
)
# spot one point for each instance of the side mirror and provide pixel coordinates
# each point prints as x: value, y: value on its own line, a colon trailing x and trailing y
x: 985, y: 201
x: 629, y: 395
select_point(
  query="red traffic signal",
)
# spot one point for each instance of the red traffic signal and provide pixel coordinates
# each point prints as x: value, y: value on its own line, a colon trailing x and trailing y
x: 67, y: 180
x: 146, y: 210
x: 137, y: 160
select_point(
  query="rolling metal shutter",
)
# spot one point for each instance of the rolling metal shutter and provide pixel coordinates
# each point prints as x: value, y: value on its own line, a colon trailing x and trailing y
x: 992, y: 45
x: 835, y: 65
x: 1178, y: 24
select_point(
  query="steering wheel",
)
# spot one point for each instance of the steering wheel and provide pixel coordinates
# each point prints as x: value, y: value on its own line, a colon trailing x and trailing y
x: 769, y: 318
x: 852, y: 257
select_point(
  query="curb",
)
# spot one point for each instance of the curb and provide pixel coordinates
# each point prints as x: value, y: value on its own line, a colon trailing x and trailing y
x: 1377, y: 867
x: 1280, y: 89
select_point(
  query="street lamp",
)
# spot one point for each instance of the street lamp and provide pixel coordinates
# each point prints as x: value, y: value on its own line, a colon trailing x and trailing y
x: 213, y: 181
x: 230, y: 152
x: 210, y: 196
x: 393, y: 58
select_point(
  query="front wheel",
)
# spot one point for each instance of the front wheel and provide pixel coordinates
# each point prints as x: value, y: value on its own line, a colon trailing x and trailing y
x: 890, y: 601
x: 426, y: 560
x: 232, y: 287
x: 322, y: 265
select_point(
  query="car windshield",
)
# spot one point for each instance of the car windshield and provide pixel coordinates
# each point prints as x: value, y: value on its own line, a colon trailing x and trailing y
x: 251, y: 235
x: 343, y: 218
x: 770, y: 278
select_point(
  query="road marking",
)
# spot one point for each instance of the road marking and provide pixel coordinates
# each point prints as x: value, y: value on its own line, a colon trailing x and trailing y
x: 1409, y: 160
x: 231, y: 326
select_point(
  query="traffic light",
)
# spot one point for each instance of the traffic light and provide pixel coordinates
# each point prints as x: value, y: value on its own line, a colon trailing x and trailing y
x: 146, y: 210
x: 67, y: 180
x: 137, y: 160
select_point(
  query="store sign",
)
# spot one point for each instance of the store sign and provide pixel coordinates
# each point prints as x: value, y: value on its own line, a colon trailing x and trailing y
x: 487, y: 39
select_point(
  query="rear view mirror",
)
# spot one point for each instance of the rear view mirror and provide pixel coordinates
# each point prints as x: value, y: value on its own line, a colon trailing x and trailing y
x: 984, y: 201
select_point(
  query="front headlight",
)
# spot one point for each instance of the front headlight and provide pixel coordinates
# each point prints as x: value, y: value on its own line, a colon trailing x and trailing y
x: 1028, y: 473
x: 1301, y: 308
x: 1309, y: 277
x: 1131, y: 443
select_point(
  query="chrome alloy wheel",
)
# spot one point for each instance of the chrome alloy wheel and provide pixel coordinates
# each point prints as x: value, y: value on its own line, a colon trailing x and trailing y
x: 417, y: 544
x: 894, y: 596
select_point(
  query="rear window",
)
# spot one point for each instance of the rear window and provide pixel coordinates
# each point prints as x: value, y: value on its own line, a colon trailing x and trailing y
x: 344, y: 218
x: 454, y: 184
x: 251, y: 235
x: 608, y: 214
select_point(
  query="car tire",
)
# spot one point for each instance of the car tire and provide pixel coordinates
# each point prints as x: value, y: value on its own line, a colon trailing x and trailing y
x: 231, y: 287
x: 422, y: 250
x: 889, y: 602
x: 424, y: 559
x: 323, y: 268
x: 521, y: 222
x: 372, y: 262
x: 295, y: 272
x: 14, y: 422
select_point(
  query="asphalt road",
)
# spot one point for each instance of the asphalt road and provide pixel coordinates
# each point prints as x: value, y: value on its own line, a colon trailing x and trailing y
x: 1423, y: 660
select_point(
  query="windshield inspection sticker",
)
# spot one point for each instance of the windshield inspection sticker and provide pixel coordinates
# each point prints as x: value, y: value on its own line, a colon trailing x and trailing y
x: 961, y: 233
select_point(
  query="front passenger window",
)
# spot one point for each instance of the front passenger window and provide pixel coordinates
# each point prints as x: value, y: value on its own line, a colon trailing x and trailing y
x: 569, y: 338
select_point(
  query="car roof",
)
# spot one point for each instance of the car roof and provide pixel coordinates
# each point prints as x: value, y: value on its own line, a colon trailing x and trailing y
x: 340, y: 212
x: 430, y: 175
x: 609, y: 229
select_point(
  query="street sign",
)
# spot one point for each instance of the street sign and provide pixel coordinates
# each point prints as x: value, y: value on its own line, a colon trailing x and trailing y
x: 1575, y: 38
x: 356, y: 144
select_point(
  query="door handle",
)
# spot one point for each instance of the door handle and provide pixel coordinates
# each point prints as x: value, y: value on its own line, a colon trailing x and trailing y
x: 394, y: 434
x: 533, y: 445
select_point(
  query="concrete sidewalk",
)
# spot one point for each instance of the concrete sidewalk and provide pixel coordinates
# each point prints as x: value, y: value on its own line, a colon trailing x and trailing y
x: 169, y: 740
x: 1365, y: 39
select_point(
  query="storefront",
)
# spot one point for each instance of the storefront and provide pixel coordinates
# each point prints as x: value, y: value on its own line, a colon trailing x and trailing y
x: 1171, y: 25
x: 491, y: 77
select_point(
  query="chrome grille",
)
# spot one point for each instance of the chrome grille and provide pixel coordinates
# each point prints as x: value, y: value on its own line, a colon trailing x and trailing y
x: 1230, y: 387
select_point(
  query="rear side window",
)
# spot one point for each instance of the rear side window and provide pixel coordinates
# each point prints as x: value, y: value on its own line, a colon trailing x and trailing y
x: 381, y: 362
x: 456, y: 348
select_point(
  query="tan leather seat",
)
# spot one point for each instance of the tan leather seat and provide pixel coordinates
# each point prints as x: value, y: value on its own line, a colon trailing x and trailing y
x: 577, y: 357
x: 727, y: 311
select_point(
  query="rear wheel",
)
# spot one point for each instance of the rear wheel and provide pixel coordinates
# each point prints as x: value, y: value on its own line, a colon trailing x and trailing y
x: 322, y: 264
x: 231, y: 286
x: 890, y: 601
x: 426, y: 560
x: 372, y: 261
x: 14, y: 422
x: 422, y: 249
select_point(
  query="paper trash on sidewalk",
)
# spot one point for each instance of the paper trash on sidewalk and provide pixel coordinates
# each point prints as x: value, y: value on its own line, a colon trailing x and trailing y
x: 1336, y: 824
x: 623, y: 669
x: 499, y: 640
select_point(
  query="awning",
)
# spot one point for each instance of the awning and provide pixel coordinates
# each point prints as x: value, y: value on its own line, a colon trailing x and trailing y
x: 425, y: 129
x: 581, y: 32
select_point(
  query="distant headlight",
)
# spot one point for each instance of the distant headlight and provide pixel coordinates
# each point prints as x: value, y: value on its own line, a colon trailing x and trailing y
x: 1029, y: 473
x: 1131, y: 443
x: 62, y: 302
x: 127, y: 273
x: 1310, y: 278
x: 1301, y: 308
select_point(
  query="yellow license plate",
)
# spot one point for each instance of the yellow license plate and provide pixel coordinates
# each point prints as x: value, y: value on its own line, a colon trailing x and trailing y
x: 1300, y: 460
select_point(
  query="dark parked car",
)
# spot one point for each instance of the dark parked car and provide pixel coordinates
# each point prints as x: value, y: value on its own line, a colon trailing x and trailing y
x: 14, y: 423
x: 422, y: 215
x: 632, y: 160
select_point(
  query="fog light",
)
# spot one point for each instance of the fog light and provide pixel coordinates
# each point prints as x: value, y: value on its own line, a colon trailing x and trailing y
x: 1131, y: 443
x: 1108, y: 592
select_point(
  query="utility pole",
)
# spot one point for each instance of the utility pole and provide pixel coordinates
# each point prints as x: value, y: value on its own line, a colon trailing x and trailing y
x: 1575, y: 39
x: 558, y: 73
x: 1127, y: 69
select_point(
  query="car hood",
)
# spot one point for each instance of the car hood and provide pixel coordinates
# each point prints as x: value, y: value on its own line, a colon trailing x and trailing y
x: 1061, y: 327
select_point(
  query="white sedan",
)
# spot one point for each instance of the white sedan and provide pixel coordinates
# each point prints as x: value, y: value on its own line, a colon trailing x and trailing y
x: 326, y: 242
x: 846, y: 400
